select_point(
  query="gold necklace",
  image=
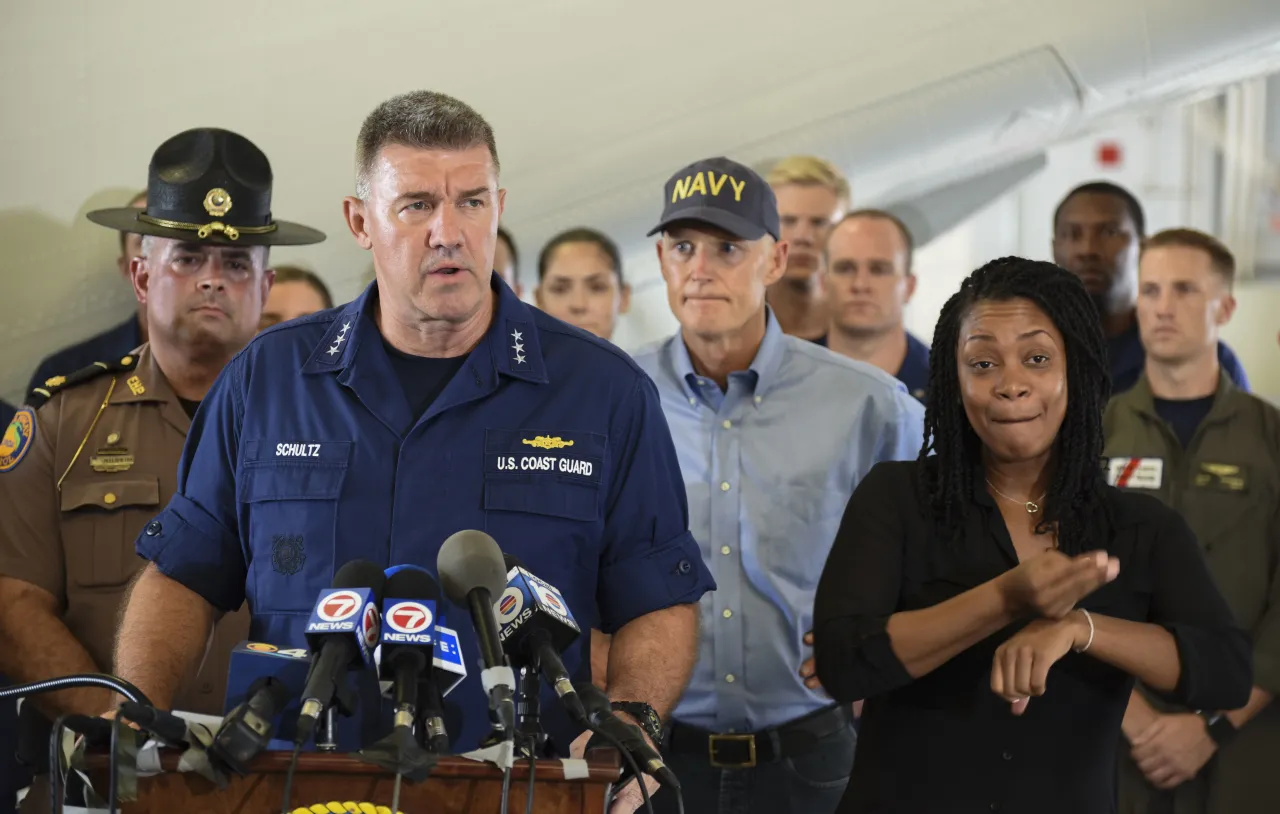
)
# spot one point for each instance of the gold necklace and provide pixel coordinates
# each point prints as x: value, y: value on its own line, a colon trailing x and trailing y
x: 1031, y: 505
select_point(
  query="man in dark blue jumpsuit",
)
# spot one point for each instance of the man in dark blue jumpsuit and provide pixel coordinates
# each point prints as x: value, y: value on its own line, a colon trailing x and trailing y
x: 434, y: 402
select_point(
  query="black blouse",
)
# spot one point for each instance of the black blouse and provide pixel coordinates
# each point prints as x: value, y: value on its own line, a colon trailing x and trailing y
x: 945, y: 742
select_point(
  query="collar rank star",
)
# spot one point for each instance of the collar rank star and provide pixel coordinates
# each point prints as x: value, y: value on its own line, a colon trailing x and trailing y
x: 339, y: 339
x: 518, y: 347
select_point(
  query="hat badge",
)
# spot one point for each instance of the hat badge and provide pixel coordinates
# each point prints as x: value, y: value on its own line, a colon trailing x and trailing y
x: 217, y: 202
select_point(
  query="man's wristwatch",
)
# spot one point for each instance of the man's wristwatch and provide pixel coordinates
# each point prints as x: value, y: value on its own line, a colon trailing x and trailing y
x: 645, y: 715
x: 1220, y: 728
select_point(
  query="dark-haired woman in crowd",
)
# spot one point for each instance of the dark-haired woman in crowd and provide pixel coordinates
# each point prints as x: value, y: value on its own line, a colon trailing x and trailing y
x: 993, y: 600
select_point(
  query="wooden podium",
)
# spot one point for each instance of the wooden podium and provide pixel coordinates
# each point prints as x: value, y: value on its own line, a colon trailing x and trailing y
x: 456, y: 786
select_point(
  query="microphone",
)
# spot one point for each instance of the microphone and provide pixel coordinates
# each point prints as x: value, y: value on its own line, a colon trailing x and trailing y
x: 247, y: 730
x: 171, y: 729
x: 471, y: 572
x: 447, y: 671
x: 408, y: 616
x: 449, y: 668
x: 342, y: 632
x: 536, y: 627
x: 602, y: 720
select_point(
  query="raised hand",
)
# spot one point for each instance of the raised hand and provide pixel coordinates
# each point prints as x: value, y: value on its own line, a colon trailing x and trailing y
x: 1050, y: 584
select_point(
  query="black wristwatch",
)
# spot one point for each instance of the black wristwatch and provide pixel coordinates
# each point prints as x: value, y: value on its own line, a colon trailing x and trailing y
x: 645, y: 715
x: 1221, y: 730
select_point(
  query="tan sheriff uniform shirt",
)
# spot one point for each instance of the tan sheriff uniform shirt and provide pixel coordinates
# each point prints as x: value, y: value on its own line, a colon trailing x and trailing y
x: 1226, y: 485
x: 77, y: 484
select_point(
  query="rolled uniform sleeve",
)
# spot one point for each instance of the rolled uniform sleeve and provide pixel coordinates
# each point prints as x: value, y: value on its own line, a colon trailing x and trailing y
x: 650, y: 560
x: 195, y: 540
x: 1215, y: 655
x: 30, y: 534
x: 859, y: 591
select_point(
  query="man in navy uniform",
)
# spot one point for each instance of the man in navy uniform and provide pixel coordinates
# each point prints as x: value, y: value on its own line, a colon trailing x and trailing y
x: 378, y: 429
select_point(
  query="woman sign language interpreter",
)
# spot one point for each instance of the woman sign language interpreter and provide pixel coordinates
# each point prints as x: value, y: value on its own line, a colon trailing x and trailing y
x: 994, y: 600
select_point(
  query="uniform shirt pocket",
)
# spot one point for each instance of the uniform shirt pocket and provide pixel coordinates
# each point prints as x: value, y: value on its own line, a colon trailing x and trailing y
x: 544, y: 486
x: 796, y: 532
x: 291, y: 492
x: 100, y: 519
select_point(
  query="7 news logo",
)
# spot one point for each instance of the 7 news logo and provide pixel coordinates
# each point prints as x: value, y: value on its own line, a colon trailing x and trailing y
x: 408, y: 622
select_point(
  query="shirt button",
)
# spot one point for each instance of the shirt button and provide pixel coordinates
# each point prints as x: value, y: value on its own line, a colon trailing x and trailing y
x: 724, y: 487
x: 725, y: 550
x: 1007, y: 756
x: 728, y: 614
x: 727, y: 424
x: 684, y: 567
x: 154, y: 528
x: 693, y: 402
x: 109, y: 498
x: 995, y: 806
x: 759, y: 399
x: 729, y: 679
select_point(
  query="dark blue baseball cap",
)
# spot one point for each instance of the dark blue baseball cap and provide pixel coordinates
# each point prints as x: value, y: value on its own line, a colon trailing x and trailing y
x: 724, y: 194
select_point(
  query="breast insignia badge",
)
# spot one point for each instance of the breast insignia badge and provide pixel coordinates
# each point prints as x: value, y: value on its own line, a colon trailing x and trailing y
x: 112, y: 458
x: 547, y: 442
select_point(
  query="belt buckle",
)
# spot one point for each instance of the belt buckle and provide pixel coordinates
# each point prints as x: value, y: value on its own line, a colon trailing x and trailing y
x: 750, y: 740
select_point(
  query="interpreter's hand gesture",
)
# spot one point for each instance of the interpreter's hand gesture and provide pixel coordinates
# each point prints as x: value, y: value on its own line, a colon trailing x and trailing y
x: 1050, y: 584
x: 1020, y: 669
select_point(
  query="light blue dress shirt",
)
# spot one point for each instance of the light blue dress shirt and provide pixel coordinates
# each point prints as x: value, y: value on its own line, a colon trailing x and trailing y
x: 769, y: 466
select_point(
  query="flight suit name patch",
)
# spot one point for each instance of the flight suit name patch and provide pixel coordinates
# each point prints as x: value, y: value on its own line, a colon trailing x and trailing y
x: 1135, y: 473
x: 1222, y: 477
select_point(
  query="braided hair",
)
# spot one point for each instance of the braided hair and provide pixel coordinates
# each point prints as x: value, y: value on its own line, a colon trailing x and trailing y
x: 946, y: 476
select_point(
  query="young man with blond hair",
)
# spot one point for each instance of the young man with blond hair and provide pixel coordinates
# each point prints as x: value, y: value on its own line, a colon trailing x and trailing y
x: 812, y: 196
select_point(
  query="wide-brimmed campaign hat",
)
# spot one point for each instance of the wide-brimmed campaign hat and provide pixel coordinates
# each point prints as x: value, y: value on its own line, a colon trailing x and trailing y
x: 210, y: 186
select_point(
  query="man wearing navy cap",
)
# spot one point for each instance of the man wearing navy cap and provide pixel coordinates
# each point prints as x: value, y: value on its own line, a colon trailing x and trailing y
x: 773, y: 433
x: 429, y: 405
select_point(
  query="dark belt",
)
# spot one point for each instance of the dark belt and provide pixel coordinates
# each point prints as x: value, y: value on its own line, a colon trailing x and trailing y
x: 743, y: 751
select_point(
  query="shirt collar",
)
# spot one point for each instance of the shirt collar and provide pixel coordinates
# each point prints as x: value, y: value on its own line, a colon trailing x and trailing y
x: 147, y: 383
x: 1141, y: 399
x: 511, y: 344
x: 763, y: 370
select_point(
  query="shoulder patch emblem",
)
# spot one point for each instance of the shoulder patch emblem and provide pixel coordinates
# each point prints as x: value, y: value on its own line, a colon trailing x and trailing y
x: 17, y: 439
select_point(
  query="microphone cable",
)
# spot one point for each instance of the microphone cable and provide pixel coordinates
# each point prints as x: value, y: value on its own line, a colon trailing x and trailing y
x: 533, y: 770
x: 633, y: 765
x: 288, y: 778
x: 506, y: 790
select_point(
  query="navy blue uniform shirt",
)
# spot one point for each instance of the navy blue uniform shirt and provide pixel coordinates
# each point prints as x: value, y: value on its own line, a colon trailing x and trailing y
x: 1128, y: 359
x: 914, y: 372
x: 110, y: 344
x: 548, y: 439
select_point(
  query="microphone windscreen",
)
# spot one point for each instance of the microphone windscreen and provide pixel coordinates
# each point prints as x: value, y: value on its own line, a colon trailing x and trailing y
x: 412, y: 583
x: 360, y: 574
x: 468, y: 560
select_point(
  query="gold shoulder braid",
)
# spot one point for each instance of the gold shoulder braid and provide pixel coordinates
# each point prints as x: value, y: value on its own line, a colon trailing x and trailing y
x: 37, y: 397
x: 81, y: 376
